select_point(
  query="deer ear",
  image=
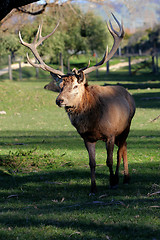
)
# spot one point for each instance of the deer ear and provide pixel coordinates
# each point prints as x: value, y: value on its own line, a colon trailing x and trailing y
x: 81, y: 77
x: 56, y: 77
x: 61, y: 85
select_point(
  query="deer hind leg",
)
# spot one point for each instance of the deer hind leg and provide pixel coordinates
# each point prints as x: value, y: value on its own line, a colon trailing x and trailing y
x: 91, y: 151
x: 110, y: 148
x: 122, y: 153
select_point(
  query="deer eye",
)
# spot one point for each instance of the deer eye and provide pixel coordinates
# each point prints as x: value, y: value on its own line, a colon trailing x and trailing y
x: 76, y: 86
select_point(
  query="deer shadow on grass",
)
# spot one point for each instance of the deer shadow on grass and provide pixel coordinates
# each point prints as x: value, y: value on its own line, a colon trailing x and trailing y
x: 73, y: 183
x: 67, y: 180
x: 69, y: 140
x: 60, y: 199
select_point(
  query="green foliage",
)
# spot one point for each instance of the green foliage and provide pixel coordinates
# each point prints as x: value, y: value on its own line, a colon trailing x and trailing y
x: 154, y: 36
x: 145, y: 40
x: 95, y: 32
x: 8, y: 44
x: 68, y: 39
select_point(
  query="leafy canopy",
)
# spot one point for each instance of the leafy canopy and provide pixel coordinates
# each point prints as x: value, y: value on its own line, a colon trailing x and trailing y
x: 77, y: 32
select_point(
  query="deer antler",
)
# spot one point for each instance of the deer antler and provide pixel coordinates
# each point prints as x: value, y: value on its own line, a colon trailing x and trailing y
x: 117, y: 36
x: 33, y: 47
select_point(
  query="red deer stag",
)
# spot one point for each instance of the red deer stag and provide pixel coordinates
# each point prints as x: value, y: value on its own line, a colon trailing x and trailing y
x: 97, y: 112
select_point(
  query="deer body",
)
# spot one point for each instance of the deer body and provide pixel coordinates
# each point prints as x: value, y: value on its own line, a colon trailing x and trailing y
x: 98, y: 113
x: 102, y: 112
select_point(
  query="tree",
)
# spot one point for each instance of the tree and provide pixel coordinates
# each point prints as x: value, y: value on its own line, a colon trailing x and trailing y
x: 7, y: 5
x: 74, y: 34
x: 146, y: 40
x: 95, y: 31
x: 9, y: 45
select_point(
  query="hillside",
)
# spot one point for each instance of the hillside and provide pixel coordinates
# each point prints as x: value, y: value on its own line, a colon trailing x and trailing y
x: 135, y: 14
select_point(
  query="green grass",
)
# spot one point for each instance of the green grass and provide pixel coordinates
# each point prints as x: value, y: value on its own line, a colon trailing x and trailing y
x: 44, y: 173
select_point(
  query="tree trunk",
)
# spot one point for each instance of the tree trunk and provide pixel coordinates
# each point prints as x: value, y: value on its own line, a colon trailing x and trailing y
x: 153, y: 64
x: 20, y: 71
x: 157, y: 68
x: 10, y: 67
x: 61, y: 62
x: 107, y: 67
x: 129, y: 65
x: 69, y: 67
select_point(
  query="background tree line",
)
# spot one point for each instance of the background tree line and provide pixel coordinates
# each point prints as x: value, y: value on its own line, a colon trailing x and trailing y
x: 146, y: 41
x: 78, y: 32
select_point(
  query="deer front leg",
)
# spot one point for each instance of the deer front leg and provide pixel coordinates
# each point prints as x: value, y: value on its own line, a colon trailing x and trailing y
x: 91, y: 151
x: 122, y: 153
x: 110, y: 148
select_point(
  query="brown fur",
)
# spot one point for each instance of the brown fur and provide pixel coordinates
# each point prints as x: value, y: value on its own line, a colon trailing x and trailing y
x: 99, y: 113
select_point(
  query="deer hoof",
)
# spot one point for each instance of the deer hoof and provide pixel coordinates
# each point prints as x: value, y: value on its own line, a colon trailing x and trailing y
x: 126, y: 179
x: 114, y: 180
x: 93, y: 188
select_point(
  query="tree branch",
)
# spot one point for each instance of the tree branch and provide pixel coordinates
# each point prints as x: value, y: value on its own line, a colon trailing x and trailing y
x: 155, y: 119
x: 7, y: 5
x: 23, y: 10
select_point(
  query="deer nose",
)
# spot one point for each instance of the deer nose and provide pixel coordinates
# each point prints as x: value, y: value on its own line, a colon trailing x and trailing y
x: 59, y: 101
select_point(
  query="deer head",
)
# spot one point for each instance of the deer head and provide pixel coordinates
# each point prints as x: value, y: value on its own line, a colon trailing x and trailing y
x: 72, y: 88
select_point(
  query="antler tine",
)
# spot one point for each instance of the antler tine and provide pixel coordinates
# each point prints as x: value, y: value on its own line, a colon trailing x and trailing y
x: 40, y: 29
x: 38, y: 34
x: 113, y: 31
x: 82, y: 69
x: 120, y: 25
x: 104, y: 58
x: 91, y: 69
x: 21, y: 40
x: 41, y: 39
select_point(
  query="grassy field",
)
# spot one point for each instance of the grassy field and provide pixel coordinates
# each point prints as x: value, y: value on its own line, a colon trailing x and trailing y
x: 44, y: 173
